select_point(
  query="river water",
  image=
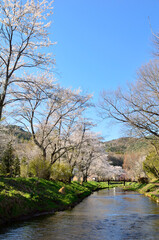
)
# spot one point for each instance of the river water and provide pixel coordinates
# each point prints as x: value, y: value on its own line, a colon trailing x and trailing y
x: 105, y: 215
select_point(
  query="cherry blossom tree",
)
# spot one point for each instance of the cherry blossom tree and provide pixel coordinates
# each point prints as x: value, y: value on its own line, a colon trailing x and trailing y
x: 50, y: 114
x: 91, y: 151
x: 77, y: 140
x: 23, y: 37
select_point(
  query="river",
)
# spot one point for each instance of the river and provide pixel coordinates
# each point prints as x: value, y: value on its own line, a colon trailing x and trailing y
x: 105, y: 215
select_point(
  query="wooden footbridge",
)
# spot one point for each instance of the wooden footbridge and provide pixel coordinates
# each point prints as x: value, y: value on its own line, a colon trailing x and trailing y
x: 110, y: 182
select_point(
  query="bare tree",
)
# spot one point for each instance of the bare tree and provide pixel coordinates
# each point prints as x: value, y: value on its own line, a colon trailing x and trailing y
x: 23, y: 34
x: 138, y: 106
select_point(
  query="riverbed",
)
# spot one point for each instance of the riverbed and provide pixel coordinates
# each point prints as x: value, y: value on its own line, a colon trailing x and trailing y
x: 110, y: 214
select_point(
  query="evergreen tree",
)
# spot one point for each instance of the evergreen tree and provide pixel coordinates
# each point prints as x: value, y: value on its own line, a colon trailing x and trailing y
x: 16, y: 167
x: 7, y: 160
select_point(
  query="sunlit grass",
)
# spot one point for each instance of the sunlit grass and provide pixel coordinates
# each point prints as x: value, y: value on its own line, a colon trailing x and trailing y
x: 151, y: 189
x: 24, y: 196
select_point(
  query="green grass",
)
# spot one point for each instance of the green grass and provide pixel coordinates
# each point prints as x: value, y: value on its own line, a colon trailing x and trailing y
x: 151, y: 189
x: 27, y: 196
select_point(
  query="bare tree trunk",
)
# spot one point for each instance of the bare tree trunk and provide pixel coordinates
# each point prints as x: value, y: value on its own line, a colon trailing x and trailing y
x: 1, y: 107
x: 2, y: 98
x: 85, y: 178
x: 44, y: 154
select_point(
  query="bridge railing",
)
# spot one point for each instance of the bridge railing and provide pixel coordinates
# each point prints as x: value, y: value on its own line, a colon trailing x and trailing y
x: 110, y: 182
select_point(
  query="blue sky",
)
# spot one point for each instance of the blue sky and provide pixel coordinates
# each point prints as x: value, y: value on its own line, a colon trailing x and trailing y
x: 101, y: 44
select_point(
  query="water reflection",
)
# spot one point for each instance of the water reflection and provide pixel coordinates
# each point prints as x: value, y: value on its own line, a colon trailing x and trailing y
x: 107, y: 214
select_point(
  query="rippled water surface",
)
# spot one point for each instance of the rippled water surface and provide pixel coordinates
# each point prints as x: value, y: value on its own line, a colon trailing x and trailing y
x: 107, y: 214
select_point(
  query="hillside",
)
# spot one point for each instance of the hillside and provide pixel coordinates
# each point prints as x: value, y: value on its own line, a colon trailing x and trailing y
x: 12, y: 133
x: 126, y: 144
x: 118, y: 147
x: 15, y: 131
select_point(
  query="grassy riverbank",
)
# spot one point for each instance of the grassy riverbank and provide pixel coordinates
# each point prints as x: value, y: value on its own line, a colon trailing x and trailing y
x: 25, y: 197
x: 150, y: 190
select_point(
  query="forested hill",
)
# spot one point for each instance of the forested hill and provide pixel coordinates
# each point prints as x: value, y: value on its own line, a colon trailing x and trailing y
x: 16, y: 131
x: 126, y: 144
x: 117, y: 148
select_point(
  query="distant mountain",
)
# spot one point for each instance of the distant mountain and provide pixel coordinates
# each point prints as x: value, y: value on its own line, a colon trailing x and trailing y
x: 118, y: 147
x: 15, y: 130
x: 126, y: 144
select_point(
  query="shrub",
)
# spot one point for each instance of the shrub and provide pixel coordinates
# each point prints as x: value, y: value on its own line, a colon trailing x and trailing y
x: 143, y: 180
x: 40, y: 168
x: 61, y: 172
x: 151, y: 165
x: 24, y: 167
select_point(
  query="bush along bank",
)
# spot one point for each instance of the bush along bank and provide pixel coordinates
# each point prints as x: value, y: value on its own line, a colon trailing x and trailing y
x: 148, y: 189
x: 22, y: 198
